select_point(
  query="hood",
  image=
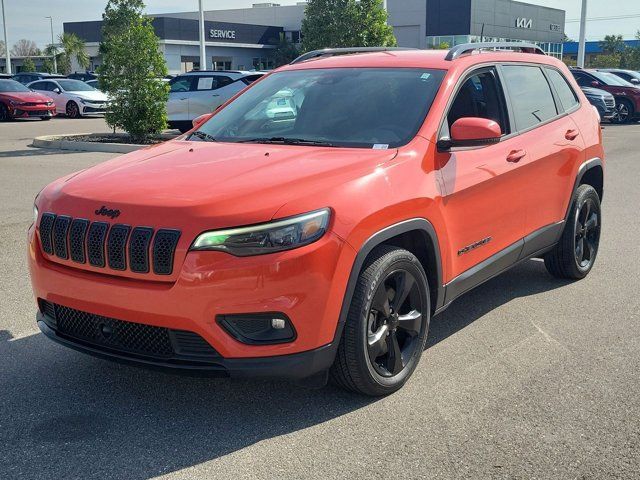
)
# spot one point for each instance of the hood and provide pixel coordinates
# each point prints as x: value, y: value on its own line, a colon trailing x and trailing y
x: 33, y: 97
x: 96, y: 95
x: 208, y: 185
x: 595, y: 92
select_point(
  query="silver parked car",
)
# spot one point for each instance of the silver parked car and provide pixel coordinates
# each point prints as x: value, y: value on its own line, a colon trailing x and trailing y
x: 195, y: 93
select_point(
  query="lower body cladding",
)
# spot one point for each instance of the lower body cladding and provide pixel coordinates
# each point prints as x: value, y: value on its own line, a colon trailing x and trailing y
x: 273, y: 315
x: 93, y: 109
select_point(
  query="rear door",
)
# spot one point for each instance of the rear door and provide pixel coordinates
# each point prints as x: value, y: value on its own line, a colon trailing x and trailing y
x: 209, y: 92
x: 482, y: 199
x: 543, y: 103
x: 178, y: 102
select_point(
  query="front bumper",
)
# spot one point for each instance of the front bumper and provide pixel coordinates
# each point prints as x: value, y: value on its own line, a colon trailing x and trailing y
x: 306, y: 284
x: 93, y: 108
x: 36, y: 111
x: 295, y: 366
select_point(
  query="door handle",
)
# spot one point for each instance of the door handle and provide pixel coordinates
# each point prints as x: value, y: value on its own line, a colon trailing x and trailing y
x: 571, y: 134
x: 215, y: 95
x: 184, y: 98
x: 516, y: 155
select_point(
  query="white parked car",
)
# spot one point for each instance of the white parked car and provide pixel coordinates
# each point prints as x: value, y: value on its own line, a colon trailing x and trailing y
x: 73, y: 98
x: 196, y: 93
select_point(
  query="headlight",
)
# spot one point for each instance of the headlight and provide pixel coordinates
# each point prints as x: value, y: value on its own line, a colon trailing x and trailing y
x: 35, y: 213
x: 270, y: 237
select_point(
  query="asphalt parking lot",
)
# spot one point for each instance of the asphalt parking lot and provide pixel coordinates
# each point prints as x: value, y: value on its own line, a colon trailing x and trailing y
x: 525, y: 377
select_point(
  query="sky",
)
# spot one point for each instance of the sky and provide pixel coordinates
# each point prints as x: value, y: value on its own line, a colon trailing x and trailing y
x: 31, y: 23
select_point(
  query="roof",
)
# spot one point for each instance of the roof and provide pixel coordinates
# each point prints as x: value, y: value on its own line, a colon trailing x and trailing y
x: 571, y: 48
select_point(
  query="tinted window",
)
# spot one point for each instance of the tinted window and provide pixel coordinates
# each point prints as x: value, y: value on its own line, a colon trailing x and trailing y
x: 530, y: 94
x: 563, y: 89
x: 351, y: 107
x: 12, y: 86
x: 211, y: 83
x: 480, y: 96
x: 582, y: 79
x: 180, y: 84
x: 39, y: 86
x: 611, y: 79
x: 74, y: 86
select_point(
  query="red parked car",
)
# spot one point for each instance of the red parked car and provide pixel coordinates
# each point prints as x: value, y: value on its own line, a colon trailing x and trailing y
x: 17, y: 101
x: 626, y: 94
x: 322, y: 241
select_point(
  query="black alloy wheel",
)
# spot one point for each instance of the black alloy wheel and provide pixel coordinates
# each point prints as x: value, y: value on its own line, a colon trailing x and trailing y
x: 394, y: 323
x: 72, y: 110
x: 587, y: 233
x: 386, y: 327
x: 622, y: 113
x: 4, y: 113
x: 575, y: 253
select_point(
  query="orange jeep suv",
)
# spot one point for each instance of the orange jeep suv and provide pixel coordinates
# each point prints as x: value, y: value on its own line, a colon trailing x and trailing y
x: 313, y: 225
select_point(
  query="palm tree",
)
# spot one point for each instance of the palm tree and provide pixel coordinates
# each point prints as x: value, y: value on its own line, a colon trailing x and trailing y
x: 72, y: 47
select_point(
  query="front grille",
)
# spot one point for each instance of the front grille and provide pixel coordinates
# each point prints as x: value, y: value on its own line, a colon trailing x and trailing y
x: 102, y: 244
x: 124, y: 336
x: 610, y: 102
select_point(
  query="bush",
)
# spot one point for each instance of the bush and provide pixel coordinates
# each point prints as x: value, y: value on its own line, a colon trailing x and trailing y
x: 28, y: 65
x: 132, y: 66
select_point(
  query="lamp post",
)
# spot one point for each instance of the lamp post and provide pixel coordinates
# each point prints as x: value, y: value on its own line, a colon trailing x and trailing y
x: 6, y: 38
x: 583, y: 27
x: 53, y: 53
x: 203, y: 53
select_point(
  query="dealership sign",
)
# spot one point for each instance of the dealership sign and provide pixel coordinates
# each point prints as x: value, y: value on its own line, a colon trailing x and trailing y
x: 226, y: 34
x: 524, y: 22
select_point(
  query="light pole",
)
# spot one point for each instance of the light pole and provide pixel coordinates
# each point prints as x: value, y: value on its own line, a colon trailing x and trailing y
x: 203, y: 53
x: 53, y: 53
x: 583, y: 27
x: 6, y: 38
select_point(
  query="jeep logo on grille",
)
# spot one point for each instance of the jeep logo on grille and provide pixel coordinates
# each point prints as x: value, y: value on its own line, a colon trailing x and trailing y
x: 108, y: 212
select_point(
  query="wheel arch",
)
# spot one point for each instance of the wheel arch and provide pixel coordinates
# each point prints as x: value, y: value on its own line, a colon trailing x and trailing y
x: 416, y: 235
x: 591, y: 173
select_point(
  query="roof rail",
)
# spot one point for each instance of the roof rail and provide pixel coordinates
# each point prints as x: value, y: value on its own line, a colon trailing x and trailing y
x: 329, y: 52
x: 461, y: 49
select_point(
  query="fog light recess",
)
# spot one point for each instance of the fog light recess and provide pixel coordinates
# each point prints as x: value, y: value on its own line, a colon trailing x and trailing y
x: 258, y: 328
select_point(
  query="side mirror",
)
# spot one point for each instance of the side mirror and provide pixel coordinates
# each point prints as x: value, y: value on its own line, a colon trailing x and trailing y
x: 472, y: 132
x: 595, y: 83
x: 196, y: 122
x: 635, y: 81
x: 56, y: 90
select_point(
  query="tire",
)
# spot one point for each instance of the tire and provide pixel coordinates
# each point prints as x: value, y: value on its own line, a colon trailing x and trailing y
x: 574, y: 255
x: 4, y: 113
x: 45, y: 118
x: 72, y: 110
x: 624, y: 111
x: 367, y: 360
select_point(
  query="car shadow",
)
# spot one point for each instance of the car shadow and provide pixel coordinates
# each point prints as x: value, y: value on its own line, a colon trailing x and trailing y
x: 34, y: 152
x: 68, y: 415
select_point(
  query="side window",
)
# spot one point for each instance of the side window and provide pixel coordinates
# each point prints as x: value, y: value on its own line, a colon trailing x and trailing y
x: 624, y: 76
x: 222, y: 81
x: 38, y: 86
x: 582, y: 79
x: 480, y: 96
x: 530, y: 95
x: 180, y: 84
x: 205, y: 83
x: 566, y: 94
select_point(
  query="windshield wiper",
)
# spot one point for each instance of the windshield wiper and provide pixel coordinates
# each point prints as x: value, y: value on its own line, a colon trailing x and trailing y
x: 288, y: 141
x: 203, y: 136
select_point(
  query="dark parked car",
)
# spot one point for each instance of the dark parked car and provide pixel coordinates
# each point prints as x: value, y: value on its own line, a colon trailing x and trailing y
x: 603, y: 101
x: 5, y: 76
x: 28, y: 77
x: 84, y: 76
x: 627, y: 95
x: 630, y: 76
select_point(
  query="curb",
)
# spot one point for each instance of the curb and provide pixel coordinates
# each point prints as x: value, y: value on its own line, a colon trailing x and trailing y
x: 59, y: 142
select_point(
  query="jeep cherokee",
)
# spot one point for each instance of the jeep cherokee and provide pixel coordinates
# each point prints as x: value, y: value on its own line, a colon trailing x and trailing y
x: 320, y: 243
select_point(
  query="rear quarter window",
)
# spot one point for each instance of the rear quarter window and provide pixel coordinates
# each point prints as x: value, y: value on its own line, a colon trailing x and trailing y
x: 565, y: 93
x: 531, y: 96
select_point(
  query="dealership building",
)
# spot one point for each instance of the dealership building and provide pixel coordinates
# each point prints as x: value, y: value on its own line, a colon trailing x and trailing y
x: 245, y: 38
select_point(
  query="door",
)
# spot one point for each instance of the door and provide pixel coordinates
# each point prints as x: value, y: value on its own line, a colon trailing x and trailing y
x: 482, y: 198
x: 543, y: 104
x: 208, y: 93
x: 178, y: 102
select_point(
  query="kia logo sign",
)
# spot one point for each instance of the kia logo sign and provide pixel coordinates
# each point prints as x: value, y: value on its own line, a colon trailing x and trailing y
x: 524, y: 22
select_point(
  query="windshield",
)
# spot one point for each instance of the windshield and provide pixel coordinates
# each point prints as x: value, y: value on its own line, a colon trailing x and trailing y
x: 74, y: 86
x: 12, y: 86
x: 611, y: 79
x: 349, y: 107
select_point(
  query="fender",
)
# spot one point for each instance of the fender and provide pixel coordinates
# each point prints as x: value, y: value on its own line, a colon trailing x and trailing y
x: 378, y: 238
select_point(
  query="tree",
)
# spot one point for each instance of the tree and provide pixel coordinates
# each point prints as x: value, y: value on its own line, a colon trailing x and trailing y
x: 48, y: 66
x: 131, y: 67
x: 612, y: 44
x: 24, y: 48
x: 28, y: 65
x: 285, y: 51
x: 72, y: 47
x: 606, y: 61
x: 345, y: 23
